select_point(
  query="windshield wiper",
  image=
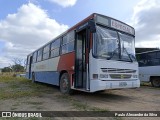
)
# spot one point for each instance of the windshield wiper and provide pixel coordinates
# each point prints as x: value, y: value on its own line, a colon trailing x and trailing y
x: 129, y: 55
x: 113, y: 53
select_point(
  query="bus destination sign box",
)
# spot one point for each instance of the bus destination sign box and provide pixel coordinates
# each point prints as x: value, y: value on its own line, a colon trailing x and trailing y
x: 107, y: 21
x: 122, y: 27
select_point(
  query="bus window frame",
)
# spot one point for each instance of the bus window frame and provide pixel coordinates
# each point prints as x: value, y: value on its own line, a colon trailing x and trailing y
x: 41, y: 55
x: 148, y: 61
x: 58, y: 39
x: 48, y: 45
x: 70, y: 41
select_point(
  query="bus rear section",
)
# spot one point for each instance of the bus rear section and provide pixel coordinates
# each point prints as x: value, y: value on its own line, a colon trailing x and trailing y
x: 96, y: 54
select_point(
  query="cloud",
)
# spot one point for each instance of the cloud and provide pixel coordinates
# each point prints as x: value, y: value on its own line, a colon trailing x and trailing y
x: 27, y: 30
x: 146, y: 22
x: 64, y: 3
x: 4, y: 62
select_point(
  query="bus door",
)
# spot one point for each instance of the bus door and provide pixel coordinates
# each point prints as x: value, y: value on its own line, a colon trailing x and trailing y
x: 81, y: 69
x: 30, y: 64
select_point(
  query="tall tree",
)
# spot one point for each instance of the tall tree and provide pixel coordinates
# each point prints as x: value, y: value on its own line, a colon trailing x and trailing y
x: 6, y: 69
x: 17, y: 68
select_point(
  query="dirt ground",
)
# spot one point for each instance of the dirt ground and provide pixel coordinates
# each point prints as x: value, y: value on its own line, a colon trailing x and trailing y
x: 140, y: 99
x: 49, y: 98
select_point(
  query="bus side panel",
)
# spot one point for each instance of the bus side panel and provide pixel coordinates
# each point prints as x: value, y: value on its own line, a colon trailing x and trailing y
x: 146, y: 72
x: 50, y: 77
x: 66, y: 63
x: 46, y: 71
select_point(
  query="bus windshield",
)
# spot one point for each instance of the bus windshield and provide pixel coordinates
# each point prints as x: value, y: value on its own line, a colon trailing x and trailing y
x: 113, y: 45
x: 127, y: 47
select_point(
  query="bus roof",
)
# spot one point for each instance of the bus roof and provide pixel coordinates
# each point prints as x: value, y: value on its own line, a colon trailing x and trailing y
x: 110, y: 22
x: 99, y: 19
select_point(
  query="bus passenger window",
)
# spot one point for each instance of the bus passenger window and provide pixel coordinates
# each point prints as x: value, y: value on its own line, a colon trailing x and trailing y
x: 39, y: 56
x: 34, y: 57
x: 55, y: 48
x: 46, y: 52
x: 55, y: 52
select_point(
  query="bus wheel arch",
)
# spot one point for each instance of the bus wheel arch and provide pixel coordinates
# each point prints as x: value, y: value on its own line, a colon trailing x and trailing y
x: 155, y: 81
x: 64, y: 83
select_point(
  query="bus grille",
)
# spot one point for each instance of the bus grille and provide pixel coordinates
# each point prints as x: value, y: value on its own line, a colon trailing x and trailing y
x: 115, y: 70
x: 120, y: 76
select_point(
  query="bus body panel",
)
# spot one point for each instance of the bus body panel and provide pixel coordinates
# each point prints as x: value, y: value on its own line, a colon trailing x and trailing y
x: 97, y: 85
x: 46, y: 65
x: 149, y: 66
x: 146, y: 72
x: 50, y: 77
x: 46, y: 71
x: 119, y: 70
x: 66, y: 63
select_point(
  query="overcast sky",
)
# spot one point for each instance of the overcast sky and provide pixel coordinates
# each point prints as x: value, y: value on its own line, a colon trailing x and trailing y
x: 26, y: 25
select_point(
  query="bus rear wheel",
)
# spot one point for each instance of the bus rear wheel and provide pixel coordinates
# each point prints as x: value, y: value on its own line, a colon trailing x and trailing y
x: 155, y: 82
x: 65, y: 86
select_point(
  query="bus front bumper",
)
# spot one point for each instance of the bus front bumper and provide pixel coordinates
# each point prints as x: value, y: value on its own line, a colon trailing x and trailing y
x: 97, y: 85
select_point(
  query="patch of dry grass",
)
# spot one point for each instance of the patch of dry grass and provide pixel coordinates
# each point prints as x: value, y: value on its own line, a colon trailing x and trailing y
x: 78, y: 104
x: 146, y: 84
x: 15, y: 87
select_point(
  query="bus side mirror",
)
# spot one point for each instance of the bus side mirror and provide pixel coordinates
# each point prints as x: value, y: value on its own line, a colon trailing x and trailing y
x: 92, y: 27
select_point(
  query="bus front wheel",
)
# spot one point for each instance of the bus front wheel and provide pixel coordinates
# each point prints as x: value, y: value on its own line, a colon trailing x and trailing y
x: 155, y: 82
x: 65, y: 86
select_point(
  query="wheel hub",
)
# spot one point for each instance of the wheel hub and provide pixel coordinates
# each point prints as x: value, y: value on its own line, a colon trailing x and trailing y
x: 65, y: 84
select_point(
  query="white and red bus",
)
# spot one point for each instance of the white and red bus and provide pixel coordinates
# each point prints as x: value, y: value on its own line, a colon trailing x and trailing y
x: 96, y: 54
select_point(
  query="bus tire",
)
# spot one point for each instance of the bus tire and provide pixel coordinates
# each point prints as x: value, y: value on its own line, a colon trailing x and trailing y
x: 33, y: 77
x: 65, y: 86
x: 155, y: 82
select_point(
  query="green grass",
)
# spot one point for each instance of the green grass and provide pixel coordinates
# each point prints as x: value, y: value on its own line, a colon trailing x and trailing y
x: 34, y: 103
x: 146, y: 84
x: 14, y: 94
x: 16, y: 87
x: 80, y: 106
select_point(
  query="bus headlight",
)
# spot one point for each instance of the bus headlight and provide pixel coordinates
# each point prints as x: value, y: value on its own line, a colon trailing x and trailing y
x: 95, y: 76
x: 103, y: 76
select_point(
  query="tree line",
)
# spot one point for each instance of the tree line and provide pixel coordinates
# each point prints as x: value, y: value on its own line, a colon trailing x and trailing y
x: 17, y: 66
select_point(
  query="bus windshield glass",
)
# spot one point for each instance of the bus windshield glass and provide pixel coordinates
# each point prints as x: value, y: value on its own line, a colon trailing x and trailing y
x: 113, y: 45
x: 127, y: 47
